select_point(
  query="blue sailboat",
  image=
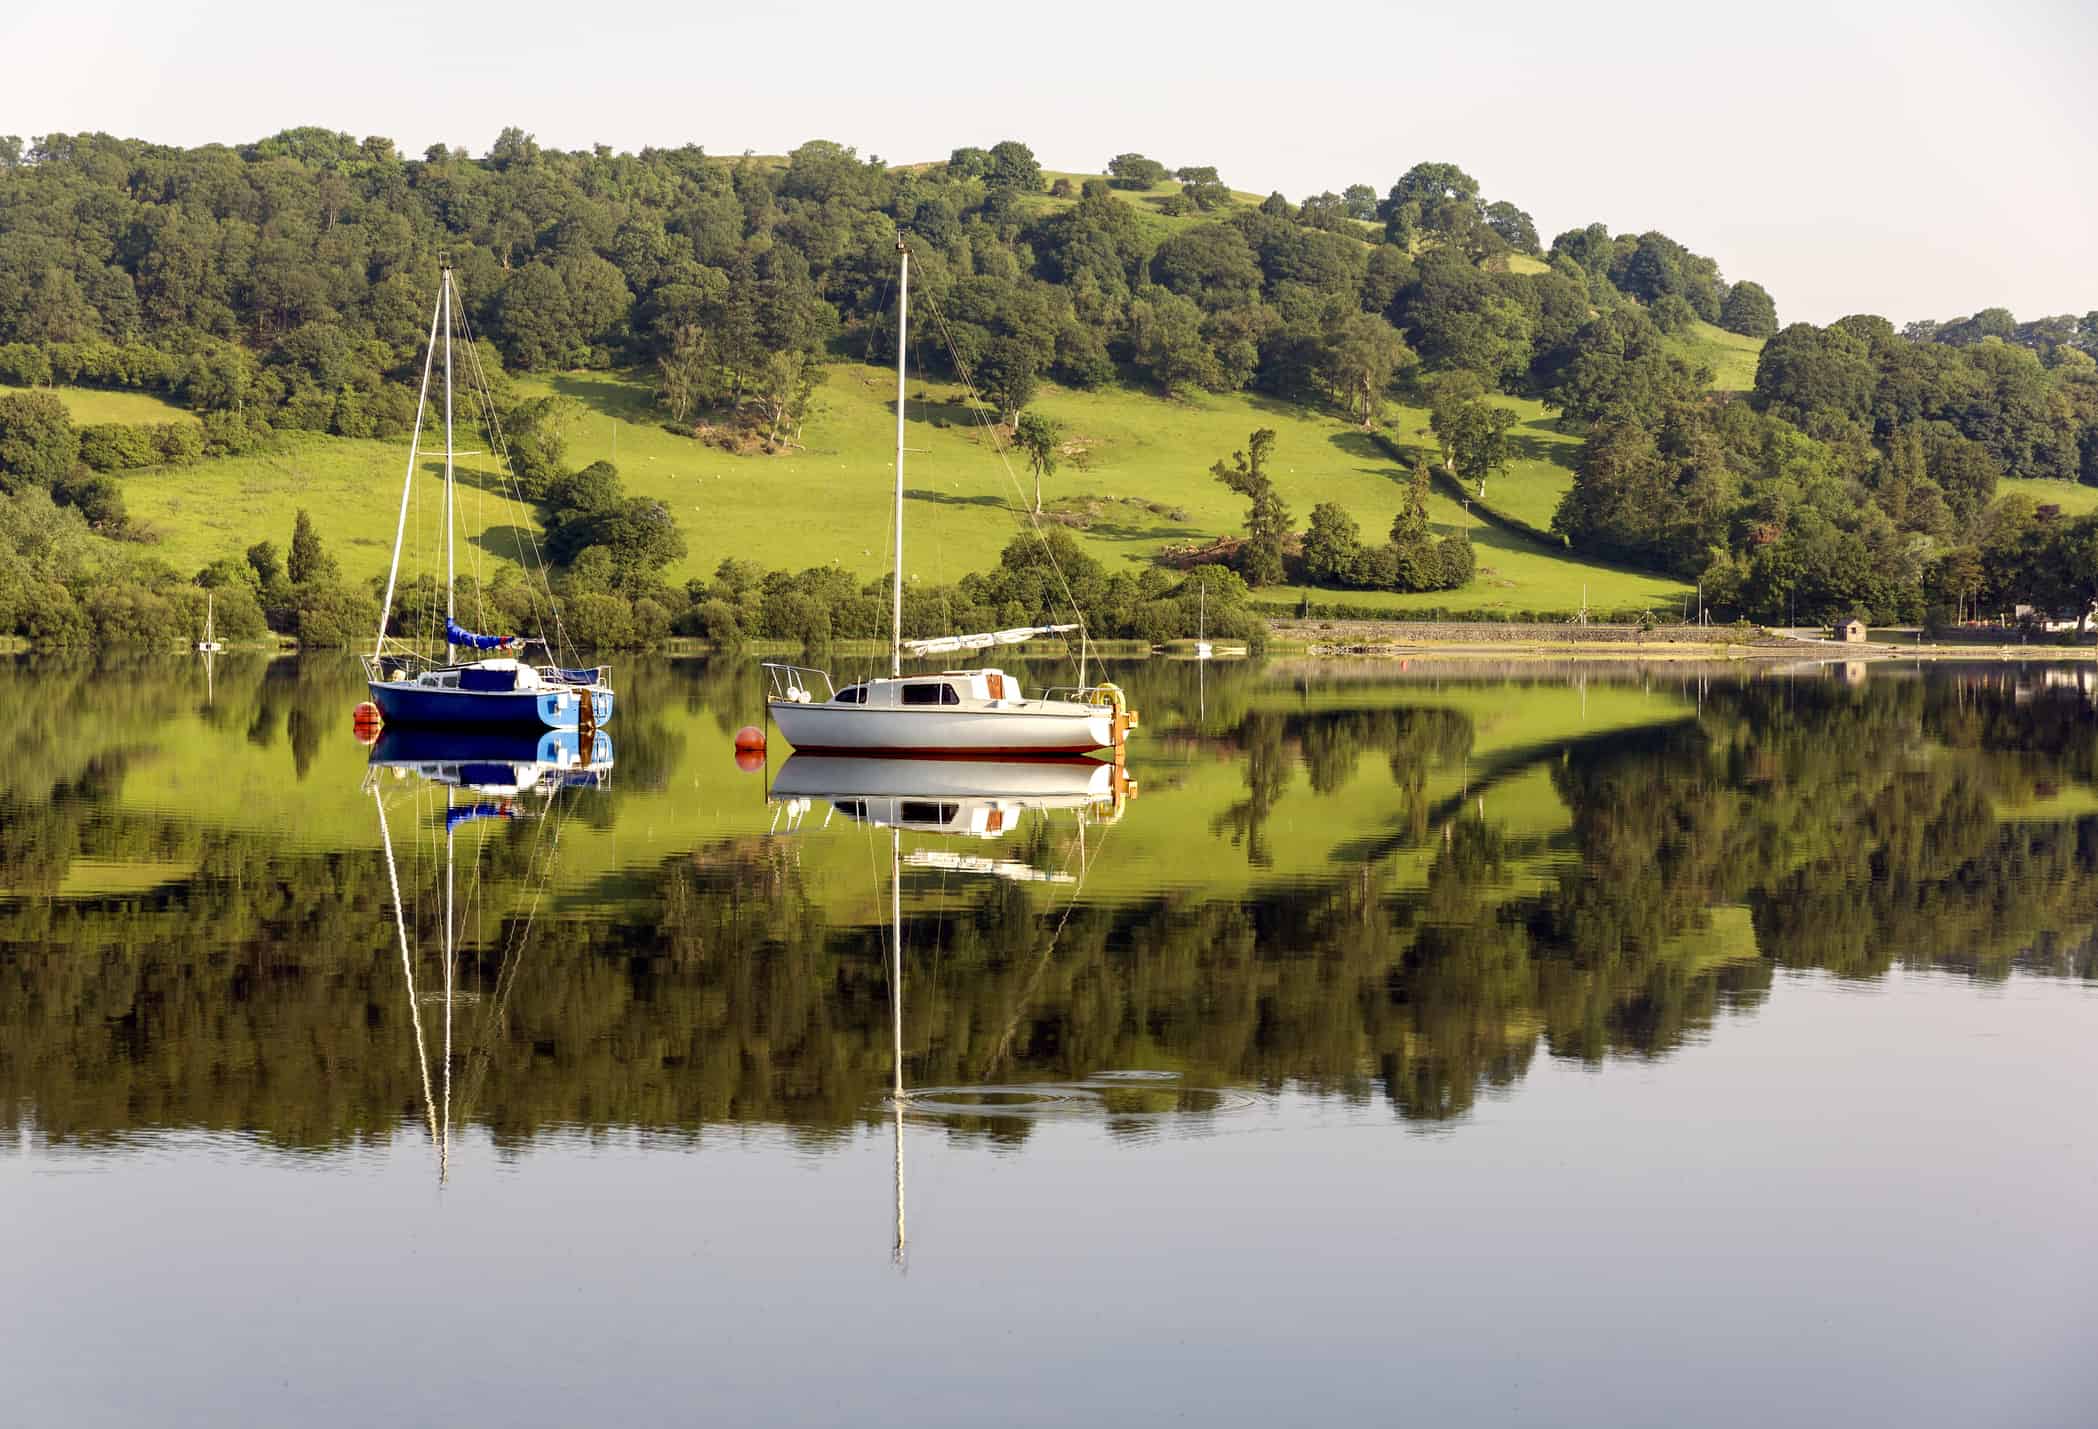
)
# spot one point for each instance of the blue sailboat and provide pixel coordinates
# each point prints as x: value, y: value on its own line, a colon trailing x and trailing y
x: 504, y: 691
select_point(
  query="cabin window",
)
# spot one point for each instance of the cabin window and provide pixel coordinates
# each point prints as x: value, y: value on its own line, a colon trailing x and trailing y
x: 917, y: 811
x: 930, y: 695
x: 851, y: 808
x: 853, y: 695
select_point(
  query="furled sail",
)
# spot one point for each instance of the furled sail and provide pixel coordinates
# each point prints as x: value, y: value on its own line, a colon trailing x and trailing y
x: 946, y: 644
x: 459, y: 635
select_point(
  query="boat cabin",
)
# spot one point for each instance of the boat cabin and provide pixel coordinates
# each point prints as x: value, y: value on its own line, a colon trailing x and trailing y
x: 978, y: 688
x: 482, y: 677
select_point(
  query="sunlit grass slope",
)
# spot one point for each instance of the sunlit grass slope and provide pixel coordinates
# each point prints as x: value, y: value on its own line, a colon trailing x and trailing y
x: 1731, y: 356
x: 353, y: 489
x: 1140, y: 468
x: 88, y: 405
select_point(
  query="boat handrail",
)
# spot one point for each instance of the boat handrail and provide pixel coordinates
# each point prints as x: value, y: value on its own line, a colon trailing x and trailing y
x: 576, y: 675
x: 795, y: 684
x: 1101, y: 694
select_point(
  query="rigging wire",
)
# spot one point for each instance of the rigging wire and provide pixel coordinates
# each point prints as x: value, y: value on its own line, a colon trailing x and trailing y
x: 998, y: 446
x: 535, y: 565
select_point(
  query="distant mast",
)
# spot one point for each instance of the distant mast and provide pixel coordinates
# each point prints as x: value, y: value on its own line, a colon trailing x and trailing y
x: 903, y: 318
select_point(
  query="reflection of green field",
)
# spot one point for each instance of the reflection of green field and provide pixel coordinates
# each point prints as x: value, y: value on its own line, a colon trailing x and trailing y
x: 1174, y: 835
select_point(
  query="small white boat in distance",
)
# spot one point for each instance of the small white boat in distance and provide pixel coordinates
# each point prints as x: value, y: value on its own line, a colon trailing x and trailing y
x: 209, y: 645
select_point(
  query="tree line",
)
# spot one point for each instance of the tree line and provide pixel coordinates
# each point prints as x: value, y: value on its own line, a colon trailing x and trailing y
x: 284, y: 284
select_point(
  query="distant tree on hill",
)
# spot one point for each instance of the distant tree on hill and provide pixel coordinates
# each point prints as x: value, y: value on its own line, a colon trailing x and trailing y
x: 1012, y: 165
x: 781, y: 395
x: 1200, y: 186
x: 1332, y: 545
x: 1360, y: 201
x: 1435, y: 198
x: 688, y: 374
x: 38, y: 445
x: 1362, y: 354
x: 1267, y: 519
x: 1007, y: 375
x: 969, y: 163
x: 1038, y: 439
x: 1513, y: 225
x: 1748, y: 310
x: 1134, y: 171
x: 263, y: 561
x: 1472, y: 432
x: 309, y: 564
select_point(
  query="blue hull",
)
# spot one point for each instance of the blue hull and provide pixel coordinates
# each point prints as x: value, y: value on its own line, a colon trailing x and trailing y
x: 402, y: 703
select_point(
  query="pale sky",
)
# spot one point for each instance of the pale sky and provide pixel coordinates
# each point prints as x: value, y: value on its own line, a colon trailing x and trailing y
x: 1914, y: 159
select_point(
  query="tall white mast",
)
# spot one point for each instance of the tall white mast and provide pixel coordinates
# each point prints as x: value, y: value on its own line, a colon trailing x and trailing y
x: 903, y: 315
x: 448, y: 558
x: 415, y: 433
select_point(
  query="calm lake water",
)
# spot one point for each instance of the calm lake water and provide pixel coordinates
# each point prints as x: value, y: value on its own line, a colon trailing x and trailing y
x: 1459, y: 1044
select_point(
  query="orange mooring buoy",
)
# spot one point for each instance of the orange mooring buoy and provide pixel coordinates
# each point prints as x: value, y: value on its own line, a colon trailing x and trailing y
x: 750, y: 737
x: 365, y: 721
x: 750, y: 761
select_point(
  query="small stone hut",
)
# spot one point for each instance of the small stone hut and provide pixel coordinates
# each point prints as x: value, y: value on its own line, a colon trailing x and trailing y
x: 1851, y: 632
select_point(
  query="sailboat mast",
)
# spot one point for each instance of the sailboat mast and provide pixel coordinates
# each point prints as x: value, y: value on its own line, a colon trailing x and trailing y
x: 400, y: 529
x: 449, y: 564
x: 903, y: 317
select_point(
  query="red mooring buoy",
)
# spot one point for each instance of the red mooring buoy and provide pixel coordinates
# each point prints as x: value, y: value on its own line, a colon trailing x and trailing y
x: 365, y: 721
x: 751, y: 737
x: 750, y: 761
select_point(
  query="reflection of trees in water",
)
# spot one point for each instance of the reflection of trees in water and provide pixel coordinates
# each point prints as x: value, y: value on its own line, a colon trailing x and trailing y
x: 1789, y: 825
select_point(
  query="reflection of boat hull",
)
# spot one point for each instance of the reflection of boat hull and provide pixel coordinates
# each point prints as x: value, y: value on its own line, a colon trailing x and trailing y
x: 495, y: 761
x: 406, y: 703
x: 828, y: 728
x: 977, y: 798
x: 823, y: 776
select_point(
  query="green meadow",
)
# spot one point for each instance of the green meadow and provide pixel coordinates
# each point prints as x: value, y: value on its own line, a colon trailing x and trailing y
x: 1135, y: 480
x: 89, y: 405
x: 1730, y: 356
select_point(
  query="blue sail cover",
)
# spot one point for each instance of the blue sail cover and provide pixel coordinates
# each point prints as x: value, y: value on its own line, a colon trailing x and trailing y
x: 459, y: 635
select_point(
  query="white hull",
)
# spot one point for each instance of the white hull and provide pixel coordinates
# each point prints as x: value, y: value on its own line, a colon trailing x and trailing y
x: 1057, y: 727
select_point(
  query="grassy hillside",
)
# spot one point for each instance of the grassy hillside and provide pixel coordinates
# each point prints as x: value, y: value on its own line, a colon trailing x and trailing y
x: 2074, y: 500
x: 353, y: 488
x: 89, y: 405
x: 1731, y: 356
x: 1138, y: 481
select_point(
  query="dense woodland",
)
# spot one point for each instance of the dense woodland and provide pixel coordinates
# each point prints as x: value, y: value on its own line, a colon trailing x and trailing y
x: 284, y: 286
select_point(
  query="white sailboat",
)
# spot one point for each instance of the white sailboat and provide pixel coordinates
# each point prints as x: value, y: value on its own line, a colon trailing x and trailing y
x: 963, y: 712
x: 209, y: 645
